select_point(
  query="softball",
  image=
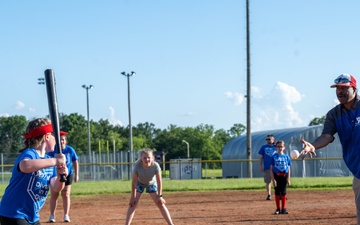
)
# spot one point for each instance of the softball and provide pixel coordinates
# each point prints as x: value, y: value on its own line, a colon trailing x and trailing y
x: 294, y: 154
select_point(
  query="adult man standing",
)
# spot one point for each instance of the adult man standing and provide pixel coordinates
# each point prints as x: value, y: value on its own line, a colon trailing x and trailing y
x: 343, y: 119
x: 266, y: 152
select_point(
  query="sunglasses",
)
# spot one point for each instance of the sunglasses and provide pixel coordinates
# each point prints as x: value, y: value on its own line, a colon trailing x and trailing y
x: 268, y: 139
x: 342, y: 80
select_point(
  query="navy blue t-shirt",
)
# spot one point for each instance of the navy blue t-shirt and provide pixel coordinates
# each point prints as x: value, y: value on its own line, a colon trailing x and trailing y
x: 346, y: 122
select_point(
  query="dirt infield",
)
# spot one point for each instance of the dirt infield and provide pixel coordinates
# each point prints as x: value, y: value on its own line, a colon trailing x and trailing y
x: 217, y: 207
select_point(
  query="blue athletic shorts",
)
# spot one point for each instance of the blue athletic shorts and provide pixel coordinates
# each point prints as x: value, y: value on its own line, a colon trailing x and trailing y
x: 149, y: 189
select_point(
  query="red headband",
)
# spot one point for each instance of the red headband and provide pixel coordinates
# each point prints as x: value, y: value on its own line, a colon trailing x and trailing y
x: 39, y: 131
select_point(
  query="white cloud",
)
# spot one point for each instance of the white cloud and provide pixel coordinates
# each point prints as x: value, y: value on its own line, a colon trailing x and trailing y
x: 189, y: 114
x: 288, y: 93
x: 275, y: 110
x: 256, y: 92
x: 235, y: 98
x: 112, y: 119
x: 4, y: 115
x: 19, y: 105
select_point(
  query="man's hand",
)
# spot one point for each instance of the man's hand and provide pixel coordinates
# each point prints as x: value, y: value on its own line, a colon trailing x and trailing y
x: 308, y: 149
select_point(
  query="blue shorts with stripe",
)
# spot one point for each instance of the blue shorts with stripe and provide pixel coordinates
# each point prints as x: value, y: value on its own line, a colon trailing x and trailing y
x: 149, y: 189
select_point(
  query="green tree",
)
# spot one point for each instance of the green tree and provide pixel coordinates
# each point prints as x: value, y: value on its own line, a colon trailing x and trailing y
x: 147, y: 132
x: 317, y: 121
x: 101, y: 135
x: 205, y: 142
x: 202, y: 141
x: 170, y: 141
x: 236, y: 130
x: 221, y: 137
x: 140, y: 142
x: 12, y: 130
x: 76, y: 126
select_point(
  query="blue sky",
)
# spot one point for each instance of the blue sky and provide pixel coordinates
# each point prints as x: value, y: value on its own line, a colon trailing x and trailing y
x: 189, y: 58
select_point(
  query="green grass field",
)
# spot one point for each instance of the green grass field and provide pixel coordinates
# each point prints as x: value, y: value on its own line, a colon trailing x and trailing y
x: 115, y: 187
x: 208, y: 183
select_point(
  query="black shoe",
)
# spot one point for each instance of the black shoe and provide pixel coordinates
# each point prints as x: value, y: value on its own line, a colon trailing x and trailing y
x: 277, y: 212
x: 268, y: 197
x: 284, y: 211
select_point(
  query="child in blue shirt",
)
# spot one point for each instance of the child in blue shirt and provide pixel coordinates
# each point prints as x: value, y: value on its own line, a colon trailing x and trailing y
x: 32, y: 175
x: 280, y: 174
x: 72, y: 164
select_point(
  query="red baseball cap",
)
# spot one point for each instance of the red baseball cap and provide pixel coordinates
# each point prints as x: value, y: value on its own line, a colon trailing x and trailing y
x: 344, y: 80
x: 63, y: 133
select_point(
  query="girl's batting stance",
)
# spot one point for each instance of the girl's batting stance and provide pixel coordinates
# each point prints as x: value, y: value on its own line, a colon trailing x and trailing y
x: 33, y: 174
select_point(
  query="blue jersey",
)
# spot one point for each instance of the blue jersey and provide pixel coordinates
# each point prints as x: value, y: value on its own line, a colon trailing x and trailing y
x: 267, y: 151
x: 347, y: 124
x: 281, y: 163
x: 70, y: 156
x: 26, y: 193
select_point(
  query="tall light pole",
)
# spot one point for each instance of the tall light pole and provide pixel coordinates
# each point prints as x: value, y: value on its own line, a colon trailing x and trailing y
x: 88, y: 118
x: 128, y: 75
x: 188, y: 148
x: 248, y: 93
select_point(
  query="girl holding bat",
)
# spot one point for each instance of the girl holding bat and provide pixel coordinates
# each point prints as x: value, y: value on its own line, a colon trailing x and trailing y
x: 147, y: 176
x: 32, y: 176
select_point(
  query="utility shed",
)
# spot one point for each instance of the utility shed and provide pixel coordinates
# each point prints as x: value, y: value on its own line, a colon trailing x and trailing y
x: 326, y: 163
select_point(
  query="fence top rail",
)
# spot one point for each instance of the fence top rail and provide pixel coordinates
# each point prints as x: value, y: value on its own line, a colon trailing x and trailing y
x: 185, y: 162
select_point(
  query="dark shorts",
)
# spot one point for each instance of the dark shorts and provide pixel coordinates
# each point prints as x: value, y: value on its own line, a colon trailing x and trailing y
x: 149, y: 189
x: 11, y: 221
x: 69, y: 180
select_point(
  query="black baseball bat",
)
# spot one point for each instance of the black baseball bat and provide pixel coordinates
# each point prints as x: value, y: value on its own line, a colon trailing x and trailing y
x: 53, y: 110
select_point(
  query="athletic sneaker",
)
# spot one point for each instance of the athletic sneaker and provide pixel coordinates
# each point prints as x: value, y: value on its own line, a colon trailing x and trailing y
x: 52, y: 219
x: 268, y: 197
x: 67, y: 218
x: 277, y: 212
x: 284, y: 211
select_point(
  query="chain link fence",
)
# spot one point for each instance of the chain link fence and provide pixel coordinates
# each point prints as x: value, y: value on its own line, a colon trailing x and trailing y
x: 116, y: 166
